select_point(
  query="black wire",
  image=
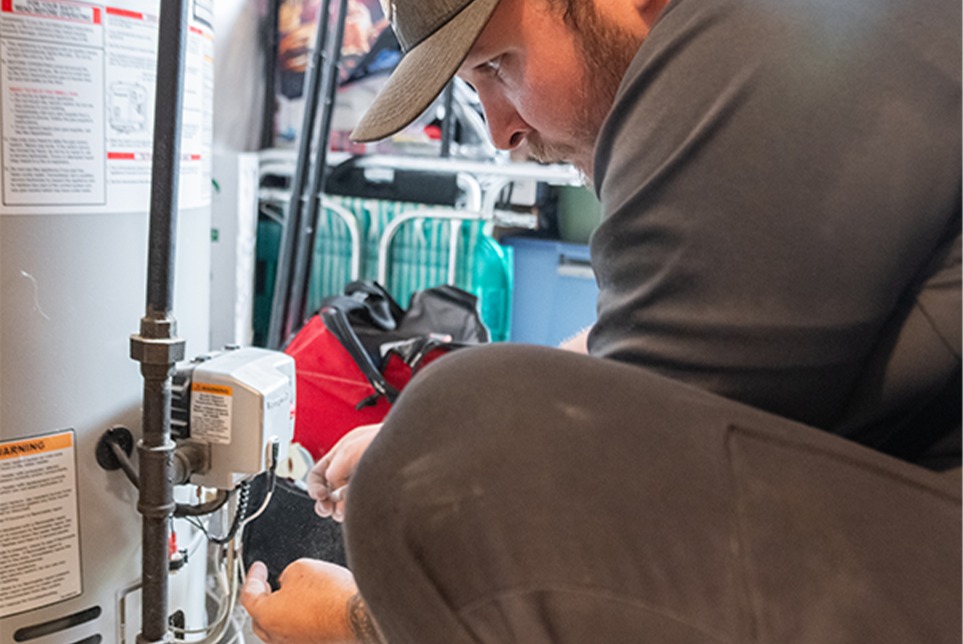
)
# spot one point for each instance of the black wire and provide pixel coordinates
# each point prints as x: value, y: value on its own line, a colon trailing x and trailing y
x: 244, y: 493
x: 186, y: 509
x: 244, y: 496
x: 194, y: 521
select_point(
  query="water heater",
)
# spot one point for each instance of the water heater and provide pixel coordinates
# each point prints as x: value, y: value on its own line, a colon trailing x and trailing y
x: 76, y: 114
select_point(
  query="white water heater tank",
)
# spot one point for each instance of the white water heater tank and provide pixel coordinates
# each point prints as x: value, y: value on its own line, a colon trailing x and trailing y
x: 76, y: 118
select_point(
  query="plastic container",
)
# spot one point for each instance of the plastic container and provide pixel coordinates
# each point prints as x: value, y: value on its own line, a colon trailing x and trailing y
x: 579, y: 214
x: 487, y: 274
x: 265, y: 270
x: 554, y: 290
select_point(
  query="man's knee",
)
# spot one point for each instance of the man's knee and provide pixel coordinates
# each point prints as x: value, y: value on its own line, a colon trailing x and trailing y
x: 454, y: 423
x: 473, y: 381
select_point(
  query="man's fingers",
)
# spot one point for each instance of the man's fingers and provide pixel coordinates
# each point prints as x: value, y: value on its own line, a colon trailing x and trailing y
x: 317, y: 481
x: 338, y: 513
x: 256, y: 586
x: 256, y: 581
x: 262, y: 634
x: 338, y: 495
x: 317, y: 489
x: 322, y: 465
x: 339, y: 470
x: 327, y: 475
x: 323, y: 508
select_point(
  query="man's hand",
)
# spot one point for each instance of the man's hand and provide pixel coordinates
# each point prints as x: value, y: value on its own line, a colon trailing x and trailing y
x: 328, y: 480
x: 314, y: 604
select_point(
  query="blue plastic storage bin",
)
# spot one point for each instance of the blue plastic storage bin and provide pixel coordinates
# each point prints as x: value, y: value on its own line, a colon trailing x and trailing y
x: 555, y: 290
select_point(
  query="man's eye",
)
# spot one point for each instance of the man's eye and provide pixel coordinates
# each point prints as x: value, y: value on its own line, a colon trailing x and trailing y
x: 494, y: 66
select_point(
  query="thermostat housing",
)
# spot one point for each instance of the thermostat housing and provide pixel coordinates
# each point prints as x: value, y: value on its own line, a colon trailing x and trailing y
x: 234, y: 404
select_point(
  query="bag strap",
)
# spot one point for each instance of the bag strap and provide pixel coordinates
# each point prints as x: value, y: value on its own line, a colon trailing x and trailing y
x: 337, y: 323
x: 414, y: 351
x: 368, y: 301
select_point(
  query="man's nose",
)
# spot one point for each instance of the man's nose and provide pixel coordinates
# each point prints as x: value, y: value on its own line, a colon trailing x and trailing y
x: 508, y: 129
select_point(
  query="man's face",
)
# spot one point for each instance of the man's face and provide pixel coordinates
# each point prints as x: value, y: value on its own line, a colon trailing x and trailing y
x: 548, y: 82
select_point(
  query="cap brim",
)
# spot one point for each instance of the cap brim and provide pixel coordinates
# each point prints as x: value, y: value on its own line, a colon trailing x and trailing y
x: 423, y: 73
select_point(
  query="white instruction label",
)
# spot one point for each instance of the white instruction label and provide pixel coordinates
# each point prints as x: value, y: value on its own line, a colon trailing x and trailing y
x: 211, y: 413
x: 39, y: 531
x: 77, y: 94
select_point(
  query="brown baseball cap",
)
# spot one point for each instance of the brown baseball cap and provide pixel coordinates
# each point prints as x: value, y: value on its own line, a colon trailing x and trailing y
x: 436, y: 36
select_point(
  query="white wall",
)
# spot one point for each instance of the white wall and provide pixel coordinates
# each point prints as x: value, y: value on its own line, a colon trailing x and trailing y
x: 238, y: 75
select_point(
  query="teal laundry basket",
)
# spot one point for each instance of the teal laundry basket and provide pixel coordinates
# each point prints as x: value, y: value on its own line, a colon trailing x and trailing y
x: 418, y: 259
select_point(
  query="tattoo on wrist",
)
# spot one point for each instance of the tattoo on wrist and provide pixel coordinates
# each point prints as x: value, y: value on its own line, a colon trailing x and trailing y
x: 362, y: 625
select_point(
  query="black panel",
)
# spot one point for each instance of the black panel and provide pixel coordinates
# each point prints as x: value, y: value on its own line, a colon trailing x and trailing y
x: 61, y: 623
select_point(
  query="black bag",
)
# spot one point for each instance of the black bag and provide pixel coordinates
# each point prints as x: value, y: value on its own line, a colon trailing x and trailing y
x: 288, y: 529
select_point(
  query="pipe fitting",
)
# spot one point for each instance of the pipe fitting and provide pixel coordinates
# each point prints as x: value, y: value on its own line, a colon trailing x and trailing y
x: 190, y: 458
x: 156, y: 351
x: 156, y: 489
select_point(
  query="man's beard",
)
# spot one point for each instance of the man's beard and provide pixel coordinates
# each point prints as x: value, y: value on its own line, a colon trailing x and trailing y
x: 606, y: 50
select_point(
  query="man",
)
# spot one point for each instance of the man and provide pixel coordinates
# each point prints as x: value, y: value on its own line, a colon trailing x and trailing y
x: 779, y: 253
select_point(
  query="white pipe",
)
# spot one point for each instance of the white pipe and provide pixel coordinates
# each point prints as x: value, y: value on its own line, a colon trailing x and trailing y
x: 351, y: 221
x: 384, y: 243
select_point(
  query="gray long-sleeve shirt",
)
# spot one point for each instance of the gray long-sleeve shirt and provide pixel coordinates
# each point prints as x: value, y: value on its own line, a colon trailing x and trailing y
x: 781, y: 186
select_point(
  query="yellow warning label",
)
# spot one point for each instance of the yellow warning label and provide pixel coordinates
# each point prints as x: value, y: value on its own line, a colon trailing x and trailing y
x: 211, y: 409
x: 39, y: 530
x: 220, y: 390
x: 33, y: 446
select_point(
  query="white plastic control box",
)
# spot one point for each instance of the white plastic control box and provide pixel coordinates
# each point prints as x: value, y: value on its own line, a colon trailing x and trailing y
x: 240, y: 401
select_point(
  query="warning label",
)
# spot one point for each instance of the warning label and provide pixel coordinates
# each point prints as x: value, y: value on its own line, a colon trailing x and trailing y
x: 39, y: 532
x: 211, y: 413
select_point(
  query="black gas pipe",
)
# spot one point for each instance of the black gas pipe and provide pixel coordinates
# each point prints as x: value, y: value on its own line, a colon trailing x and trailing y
x: 157, y: 346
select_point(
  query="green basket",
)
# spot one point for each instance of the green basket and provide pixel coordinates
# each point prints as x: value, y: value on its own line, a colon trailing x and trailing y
x: 418, y: 259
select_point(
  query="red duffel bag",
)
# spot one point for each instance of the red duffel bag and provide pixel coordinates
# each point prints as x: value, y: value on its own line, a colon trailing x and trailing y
x: 354, y: 357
